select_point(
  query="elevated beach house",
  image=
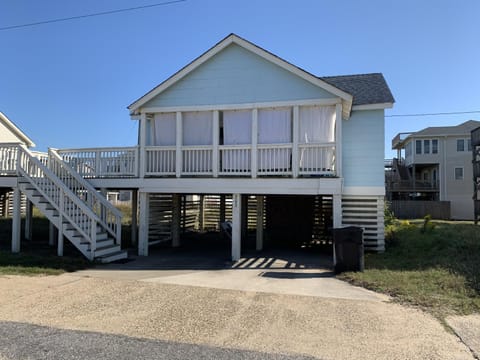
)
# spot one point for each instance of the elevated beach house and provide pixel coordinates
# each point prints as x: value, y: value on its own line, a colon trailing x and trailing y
x: 433, y: 172
x: 237, y: 138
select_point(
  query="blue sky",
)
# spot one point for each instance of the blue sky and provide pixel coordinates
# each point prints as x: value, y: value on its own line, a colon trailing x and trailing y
x: 67, y: 84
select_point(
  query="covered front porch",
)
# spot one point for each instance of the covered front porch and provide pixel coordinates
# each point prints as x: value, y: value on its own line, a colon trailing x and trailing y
x: 285, y: 140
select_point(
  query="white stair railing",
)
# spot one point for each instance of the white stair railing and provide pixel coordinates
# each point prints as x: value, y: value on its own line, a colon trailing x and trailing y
x: 110, y: 217
x: 69, y: 206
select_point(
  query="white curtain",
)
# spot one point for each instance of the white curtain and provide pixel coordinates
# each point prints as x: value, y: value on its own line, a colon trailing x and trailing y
x: 164, y: 129
x: 197, y: 128
x: 317, y: 125
x: 274, y: 127
x: 237, y: 130
x: 237, y: 127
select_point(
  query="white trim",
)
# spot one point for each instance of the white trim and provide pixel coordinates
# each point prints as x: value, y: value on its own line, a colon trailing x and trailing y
x: 338, y: 140
x: 259, y: 186
x: 243, y: 106
x: 234, y: 39
x: 378, y: 106
x: 364, y: 190
x: 15, y: 130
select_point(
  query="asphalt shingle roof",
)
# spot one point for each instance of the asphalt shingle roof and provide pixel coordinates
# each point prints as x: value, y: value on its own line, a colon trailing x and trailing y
x: 365, y: 88
x: 463, y: 128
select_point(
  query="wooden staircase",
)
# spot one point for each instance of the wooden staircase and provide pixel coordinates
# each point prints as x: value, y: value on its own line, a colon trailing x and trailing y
x: 79, y: 212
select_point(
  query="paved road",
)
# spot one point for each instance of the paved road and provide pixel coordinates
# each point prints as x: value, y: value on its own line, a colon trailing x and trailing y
x: 26, y: 341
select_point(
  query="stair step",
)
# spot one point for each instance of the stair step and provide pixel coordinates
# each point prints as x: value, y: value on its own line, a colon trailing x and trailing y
x: 119, y: 255
x: 107, y: 250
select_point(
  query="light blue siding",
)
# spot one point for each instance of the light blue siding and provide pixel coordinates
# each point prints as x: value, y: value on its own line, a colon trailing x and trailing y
x: 363, y: 149
x: 235, y: 76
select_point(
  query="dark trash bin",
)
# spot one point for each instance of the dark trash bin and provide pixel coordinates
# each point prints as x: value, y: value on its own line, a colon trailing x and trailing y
x: 349, y: 249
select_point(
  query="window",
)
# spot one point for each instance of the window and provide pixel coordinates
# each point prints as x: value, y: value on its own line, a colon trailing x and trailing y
x: 434, y: 146
x: 426, y: 146
x: 459, y: 173
x: 408, y: 149
x: 460, y: 145
x: 469, y: 144
x: 418, y: 146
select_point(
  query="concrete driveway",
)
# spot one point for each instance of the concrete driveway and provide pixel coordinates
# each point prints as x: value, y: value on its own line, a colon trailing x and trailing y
x: 278, y: 272
x: 146, y: 309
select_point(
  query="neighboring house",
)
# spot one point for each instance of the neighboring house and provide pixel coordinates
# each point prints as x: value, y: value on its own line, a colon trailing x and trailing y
x: 9, y: 134
x: 475, y: 137
x: 435, y: 164
x: 237, y: 135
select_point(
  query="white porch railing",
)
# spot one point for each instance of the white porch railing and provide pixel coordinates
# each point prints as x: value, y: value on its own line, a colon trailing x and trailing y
x: 235, y: 160
x: 103, y: 162
x: 318, y: 159
x: 313, y: 159
x: 109, y: 217
x: 9, y: 155
x: 8, y: 159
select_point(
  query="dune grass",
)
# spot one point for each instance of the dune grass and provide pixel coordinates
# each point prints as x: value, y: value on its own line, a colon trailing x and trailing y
x: 432, y: 265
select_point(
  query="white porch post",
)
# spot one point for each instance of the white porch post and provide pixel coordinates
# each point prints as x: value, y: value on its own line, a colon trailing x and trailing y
x: 134, y: 217
x: 143, y: 226
x: 236, y: 226
x: 176, y: 215
x: 16, y: 220
x: 216, y: 138
x: 143, y: 139
x: 254, y: 155
x: 338, y: 140
x: 259, y: 246
x: 295, y: 150
x: 28, y: 220
x: 178, y: 142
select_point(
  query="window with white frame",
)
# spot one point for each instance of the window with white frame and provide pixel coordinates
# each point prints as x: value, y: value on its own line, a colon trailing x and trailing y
x: 426, y: 146
x: 435, y: 146
x: 459, y: 173
x: 418, y: 147
x: 460, y: 145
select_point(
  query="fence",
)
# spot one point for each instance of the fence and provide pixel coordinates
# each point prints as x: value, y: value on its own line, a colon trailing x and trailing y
x: 413, y: 209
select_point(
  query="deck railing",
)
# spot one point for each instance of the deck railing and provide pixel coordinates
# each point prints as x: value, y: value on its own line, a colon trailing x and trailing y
x: 9, y: 155
x: 103, y: 162
x: 313, y: 159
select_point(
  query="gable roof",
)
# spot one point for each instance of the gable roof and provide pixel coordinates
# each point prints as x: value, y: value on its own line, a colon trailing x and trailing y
x: 352, y: 89
x: 15, y: 130
x: 461, y: 129
x: 366, y: 88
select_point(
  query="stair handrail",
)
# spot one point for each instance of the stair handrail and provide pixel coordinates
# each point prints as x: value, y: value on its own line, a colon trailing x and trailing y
x: 35, y: 168
x: 105, y: 211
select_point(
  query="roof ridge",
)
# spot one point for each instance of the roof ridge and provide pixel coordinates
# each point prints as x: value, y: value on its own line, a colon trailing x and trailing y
x: 350, y: 75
